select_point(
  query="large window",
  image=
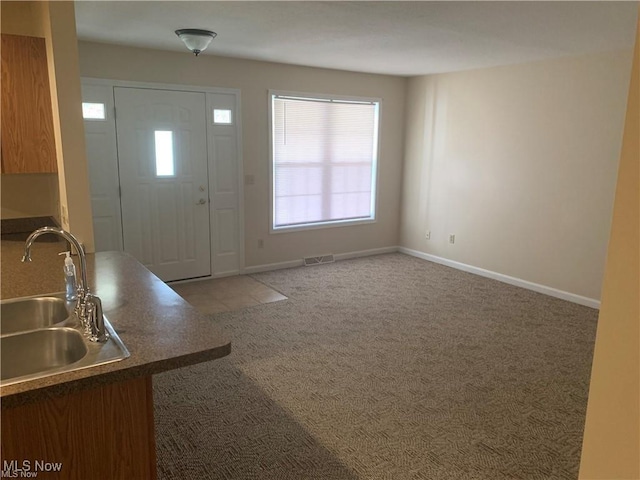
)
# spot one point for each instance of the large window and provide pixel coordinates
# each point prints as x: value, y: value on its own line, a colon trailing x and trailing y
x: 324, y: 160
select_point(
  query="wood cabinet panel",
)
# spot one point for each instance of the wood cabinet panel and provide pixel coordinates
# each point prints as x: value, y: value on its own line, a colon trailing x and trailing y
x: 28, y: 142
x: 101, y: 433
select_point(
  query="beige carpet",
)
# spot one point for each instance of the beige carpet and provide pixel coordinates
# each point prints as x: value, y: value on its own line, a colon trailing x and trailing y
x: 385, y: 367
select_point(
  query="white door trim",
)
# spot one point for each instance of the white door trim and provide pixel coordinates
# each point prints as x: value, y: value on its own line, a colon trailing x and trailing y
x: 240, y: 171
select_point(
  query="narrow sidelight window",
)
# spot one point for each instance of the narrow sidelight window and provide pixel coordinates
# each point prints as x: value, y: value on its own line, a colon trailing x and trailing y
x: 222, y: 117
x: 93, y: 111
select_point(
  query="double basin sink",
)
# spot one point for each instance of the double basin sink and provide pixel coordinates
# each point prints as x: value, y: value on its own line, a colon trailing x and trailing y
x: 41, y: 336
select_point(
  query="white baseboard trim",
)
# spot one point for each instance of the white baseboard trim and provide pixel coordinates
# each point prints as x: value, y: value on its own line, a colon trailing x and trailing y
x: 298, y: 263
x: 230, y: 273
x: 365, y: 253
x: 518, y: 282
x: 267, y: 267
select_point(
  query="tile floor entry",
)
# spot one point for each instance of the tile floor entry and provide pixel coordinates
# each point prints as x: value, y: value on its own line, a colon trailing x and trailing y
x: 226, y: 294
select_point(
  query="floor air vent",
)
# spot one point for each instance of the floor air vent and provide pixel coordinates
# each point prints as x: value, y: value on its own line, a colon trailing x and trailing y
x: 308, y: 261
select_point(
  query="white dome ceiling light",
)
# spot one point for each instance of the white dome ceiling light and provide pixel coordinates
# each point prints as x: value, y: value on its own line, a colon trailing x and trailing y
x: 196, y: 40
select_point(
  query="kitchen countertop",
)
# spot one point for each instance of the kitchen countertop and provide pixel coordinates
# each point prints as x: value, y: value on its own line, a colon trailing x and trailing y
x: 160, y: 329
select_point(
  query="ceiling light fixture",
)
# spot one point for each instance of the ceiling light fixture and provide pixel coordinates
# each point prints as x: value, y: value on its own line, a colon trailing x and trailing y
x: 196, y: 40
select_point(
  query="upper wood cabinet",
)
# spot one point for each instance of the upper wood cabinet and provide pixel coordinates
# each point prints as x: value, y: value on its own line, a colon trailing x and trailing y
x: 28, y: 142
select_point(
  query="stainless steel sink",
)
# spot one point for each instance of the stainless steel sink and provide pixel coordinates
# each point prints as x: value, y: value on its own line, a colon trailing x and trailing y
x: 41, y: 336
x: 40, y: 351
x: 31, y: 313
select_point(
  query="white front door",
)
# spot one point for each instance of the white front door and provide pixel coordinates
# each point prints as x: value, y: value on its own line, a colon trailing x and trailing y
x: 162, y: 158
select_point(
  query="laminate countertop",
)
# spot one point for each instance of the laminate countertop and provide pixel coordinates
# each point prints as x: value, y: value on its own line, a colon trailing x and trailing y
x: 160, y: 329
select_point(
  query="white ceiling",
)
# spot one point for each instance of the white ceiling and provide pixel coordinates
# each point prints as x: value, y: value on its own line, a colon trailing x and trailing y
x: 393, y: 37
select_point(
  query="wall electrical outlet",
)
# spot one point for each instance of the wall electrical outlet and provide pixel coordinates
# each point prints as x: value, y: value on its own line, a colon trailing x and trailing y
x: 428, y: 235
x: 452, y: 238
x: 260, y: 243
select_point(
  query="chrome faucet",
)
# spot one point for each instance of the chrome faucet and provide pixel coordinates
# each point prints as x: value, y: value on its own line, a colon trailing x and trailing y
x: 88, y: 307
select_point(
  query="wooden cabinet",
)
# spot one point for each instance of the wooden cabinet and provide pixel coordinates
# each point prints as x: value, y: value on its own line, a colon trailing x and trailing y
x: 104, y: 433
x: 28, y: 142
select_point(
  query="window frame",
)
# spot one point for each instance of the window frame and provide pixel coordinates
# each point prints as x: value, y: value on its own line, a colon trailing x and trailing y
x: 374, y: 167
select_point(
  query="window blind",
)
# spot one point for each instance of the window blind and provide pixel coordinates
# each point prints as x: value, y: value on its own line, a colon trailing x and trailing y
x: 324, y: 160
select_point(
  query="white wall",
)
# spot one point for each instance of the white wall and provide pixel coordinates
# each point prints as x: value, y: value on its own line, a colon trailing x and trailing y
x: 68, y: 124
x: 519, y: 162
x: 30, y: 195
x: 254, y: 79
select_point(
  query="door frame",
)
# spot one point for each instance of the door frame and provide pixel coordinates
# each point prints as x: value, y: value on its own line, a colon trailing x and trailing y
x: 105, y: 82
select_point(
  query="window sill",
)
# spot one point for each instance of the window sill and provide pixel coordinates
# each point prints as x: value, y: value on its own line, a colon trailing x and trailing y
x: 323, y: 225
